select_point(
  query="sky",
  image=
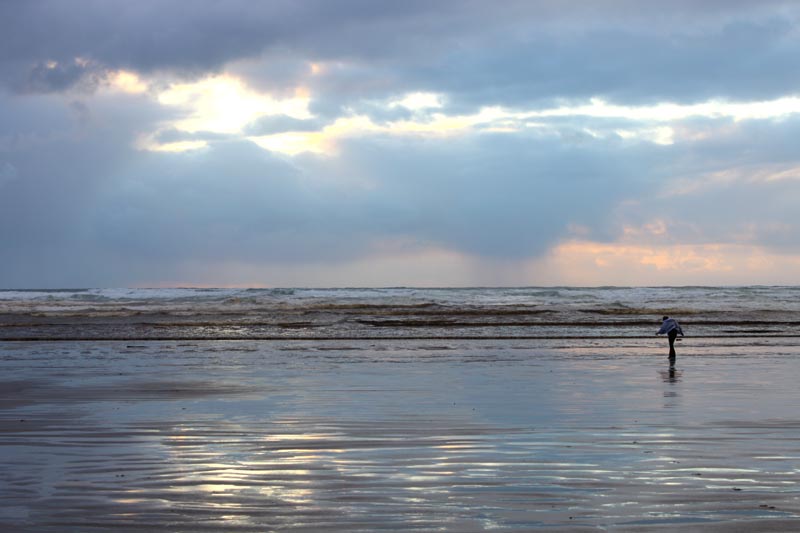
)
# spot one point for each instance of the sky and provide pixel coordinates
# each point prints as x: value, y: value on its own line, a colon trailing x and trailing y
x: 417, y: 143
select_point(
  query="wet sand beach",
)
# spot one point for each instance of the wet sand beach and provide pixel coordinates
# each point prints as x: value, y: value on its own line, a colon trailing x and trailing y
x: 369, y: 435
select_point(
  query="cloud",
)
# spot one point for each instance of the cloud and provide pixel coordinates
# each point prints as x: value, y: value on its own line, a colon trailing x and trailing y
x: 735, y: 186
x: 85, y: 191
x: 297, y: 139
x: 624, y: 264
x: 271, y: 124
x: 8, y: 173
x: 83, y: 194
x: 741, y: 61
x: 169, y: 136
x: 52, y: 76
x: 524, y: 52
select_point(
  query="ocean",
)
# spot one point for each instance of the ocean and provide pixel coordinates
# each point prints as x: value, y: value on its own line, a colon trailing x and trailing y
x: 403, y: 312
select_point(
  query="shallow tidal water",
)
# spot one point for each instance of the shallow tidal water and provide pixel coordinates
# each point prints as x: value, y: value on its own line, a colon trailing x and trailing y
x: 366, y: 435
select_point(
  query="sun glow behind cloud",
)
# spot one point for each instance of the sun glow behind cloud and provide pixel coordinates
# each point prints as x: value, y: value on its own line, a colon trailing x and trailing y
x: 294, y: 142
x: 220, y: 104
x: 224, y: 104
x: 127, y: 82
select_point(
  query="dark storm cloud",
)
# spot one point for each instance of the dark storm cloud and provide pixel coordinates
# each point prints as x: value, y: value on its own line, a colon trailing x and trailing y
x: 495, y: 195
x: 740, y: 62
x: 44, y: 77
x: 150, y: 35
x: 232, y: 200
x: 62, y: 153
x: 509, y: 53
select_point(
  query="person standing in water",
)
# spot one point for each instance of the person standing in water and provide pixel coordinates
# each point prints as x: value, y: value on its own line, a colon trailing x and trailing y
x: 671, y: 327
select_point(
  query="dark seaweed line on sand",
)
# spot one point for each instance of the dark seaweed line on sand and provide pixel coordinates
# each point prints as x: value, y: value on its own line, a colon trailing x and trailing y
x: 375, y: 338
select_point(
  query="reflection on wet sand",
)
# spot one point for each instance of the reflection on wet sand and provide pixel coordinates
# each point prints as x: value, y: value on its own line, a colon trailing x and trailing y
x: 281, y: 443
x: 671, y: 378
x: 671, y: 375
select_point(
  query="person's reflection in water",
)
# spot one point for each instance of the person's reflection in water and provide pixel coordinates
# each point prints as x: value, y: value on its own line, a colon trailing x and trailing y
x: 671, y: 377
x: 671, y: 396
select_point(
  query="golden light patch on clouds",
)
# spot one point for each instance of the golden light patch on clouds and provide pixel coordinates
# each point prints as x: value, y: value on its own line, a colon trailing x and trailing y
x: 127, y: 82
x: 224, y: 104
x: 671, y: 257
x: 318, y: 142
x: 688, y: 258
x: 149, y: 142
x: 221, y: 104
x: 351, y: 125
x: 178, y: 146
x: 294, y: 142
x: 584, y: 262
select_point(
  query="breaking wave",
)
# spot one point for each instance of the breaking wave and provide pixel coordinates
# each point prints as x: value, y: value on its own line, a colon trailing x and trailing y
x: 398, y: 312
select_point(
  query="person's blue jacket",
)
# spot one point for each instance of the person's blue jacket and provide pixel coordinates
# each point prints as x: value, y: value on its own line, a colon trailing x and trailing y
x: 668, y: 325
